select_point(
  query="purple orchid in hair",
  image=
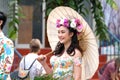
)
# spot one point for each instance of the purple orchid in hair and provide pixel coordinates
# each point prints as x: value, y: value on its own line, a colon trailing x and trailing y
x: 58, y: 23
x: 79, y: 27
x: 73, y: 23
x: 66, y: 22
x: 77, y: 21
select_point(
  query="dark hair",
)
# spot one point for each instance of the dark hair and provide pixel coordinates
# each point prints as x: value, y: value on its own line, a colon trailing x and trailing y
x: 74, y: 44
x: 35, y: 45
x: 3, y: 17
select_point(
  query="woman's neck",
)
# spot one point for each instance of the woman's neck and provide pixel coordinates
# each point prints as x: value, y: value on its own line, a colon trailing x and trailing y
x: 67, y: 45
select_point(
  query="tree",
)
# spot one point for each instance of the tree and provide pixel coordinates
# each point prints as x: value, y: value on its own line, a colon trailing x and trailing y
x: 14, y: 15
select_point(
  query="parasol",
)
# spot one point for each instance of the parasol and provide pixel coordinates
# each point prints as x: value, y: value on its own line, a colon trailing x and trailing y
x: 86, y: 39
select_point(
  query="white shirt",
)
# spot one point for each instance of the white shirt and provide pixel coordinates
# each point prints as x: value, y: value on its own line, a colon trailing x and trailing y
x: 36, y: 69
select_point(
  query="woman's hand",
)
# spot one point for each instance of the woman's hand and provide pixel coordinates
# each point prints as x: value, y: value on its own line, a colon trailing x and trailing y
x: 42, y: 59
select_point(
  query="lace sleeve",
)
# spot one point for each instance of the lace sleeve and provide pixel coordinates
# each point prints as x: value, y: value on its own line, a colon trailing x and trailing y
x: 77, y: 61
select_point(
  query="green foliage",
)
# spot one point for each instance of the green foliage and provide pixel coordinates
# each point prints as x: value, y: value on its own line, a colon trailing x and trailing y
x: 78, y: 5
x: 14, y: 15
x: 101, y: 29
x: 50, y: 76
x: 112, y: 4
x: 45, y: 77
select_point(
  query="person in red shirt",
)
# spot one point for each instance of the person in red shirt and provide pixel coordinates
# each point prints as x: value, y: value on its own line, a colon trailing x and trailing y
x: 111, y: 70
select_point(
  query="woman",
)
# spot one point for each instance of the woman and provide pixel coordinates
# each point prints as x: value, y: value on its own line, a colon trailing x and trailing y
x: 111, y: 70
x: 66, y: 61
x: 30, y: 62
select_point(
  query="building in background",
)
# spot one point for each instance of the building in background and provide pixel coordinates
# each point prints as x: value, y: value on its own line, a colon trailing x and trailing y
x: 32, y: 25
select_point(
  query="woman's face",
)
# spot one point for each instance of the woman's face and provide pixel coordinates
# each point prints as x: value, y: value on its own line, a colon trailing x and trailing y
x: 64, y: 35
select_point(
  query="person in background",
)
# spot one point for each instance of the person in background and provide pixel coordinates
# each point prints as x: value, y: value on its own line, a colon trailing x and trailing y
x: 29, y: 59
x: 67, y: 59
x: 6, y: 51
x: 111, y: 70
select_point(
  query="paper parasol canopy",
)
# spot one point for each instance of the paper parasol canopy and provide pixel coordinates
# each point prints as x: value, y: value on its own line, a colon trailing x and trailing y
x: 87, y: 39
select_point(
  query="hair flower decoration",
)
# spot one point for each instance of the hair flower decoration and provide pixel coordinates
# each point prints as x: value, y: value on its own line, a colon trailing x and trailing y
x: 58, y: 23
x: 79, y: 28
x: 73, y: 23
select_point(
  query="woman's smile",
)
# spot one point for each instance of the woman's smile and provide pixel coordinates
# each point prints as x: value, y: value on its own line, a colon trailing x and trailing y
x: 63, y: 34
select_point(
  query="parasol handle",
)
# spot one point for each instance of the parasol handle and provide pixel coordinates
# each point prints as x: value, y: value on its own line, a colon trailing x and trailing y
x: 49, y: 53
x: 39, y: 59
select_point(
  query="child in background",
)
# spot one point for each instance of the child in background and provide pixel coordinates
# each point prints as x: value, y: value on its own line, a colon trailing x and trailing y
x: 30, y: 59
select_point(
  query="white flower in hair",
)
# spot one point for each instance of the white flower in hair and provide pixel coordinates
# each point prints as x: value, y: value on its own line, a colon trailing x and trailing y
x: 62, y: 21
x: 73, y: 24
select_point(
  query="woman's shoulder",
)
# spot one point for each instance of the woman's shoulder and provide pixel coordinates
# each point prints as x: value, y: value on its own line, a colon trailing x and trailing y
x: 77, y: 53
